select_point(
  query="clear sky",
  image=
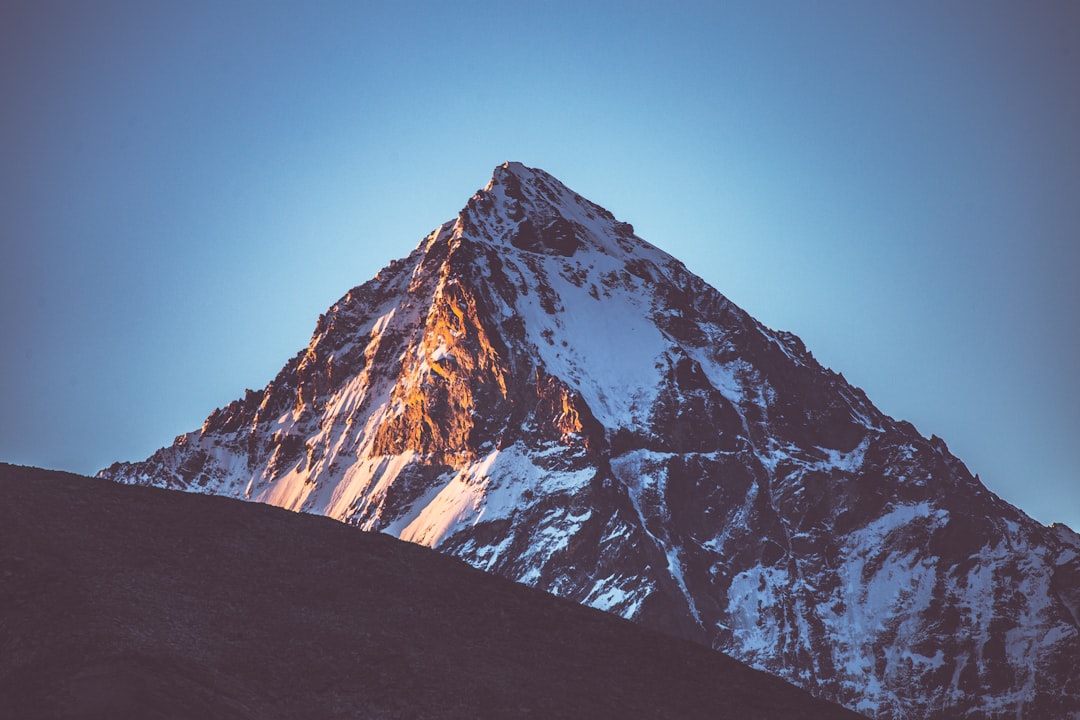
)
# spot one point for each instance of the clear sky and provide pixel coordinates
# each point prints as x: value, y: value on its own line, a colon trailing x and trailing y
x: 185, y: 186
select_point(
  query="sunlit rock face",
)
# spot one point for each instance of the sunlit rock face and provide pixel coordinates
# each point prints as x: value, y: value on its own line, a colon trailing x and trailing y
x: 542, y: 393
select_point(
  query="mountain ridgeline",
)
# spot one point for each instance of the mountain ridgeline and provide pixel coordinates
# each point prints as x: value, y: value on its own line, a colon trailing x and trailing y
x: 543, y: 394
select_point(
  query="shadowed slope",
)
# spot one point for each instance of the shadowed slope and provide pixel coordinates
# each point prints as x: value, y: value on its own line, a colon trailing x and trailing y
x: 120, y: 601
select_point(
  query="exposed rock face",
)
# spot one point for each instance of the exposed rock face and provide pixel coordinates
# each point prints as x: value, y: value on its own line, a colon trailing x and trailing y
x: 540, y: 392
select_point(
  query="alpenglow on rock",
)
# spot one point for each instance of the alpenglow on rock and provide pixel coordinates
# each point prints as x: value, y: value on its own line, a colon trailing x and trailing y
x: 542, y: 393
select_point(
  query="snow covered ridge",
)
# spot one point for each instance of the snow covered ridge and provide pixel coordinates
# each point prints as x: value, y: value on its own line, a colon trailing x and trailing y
x: 542, y: 393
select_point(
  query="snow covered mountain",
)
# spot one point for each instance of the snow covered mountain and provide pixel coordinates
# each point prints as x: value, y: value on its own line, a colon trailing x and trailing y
x: 540, y: 392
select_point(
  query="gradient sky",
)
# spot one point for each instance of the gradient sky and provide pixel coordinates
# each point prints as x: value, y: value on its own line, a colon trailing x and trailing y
x: 185, y: 186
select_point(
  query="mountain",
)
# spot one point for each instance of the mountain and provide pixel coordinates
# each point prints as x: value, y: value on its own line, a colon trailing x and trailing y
x: 543, y: 394
x: 137, y: 603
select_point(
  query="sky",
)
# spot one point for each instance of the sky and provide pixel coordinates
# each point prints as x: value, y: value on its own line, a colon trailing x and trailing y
x: 185, y: 187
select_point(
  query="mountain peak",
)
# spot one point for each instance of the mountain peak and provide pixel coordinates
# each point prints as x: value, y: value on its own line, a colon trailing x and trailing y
x: 515, y: 168
x: 511, y: 175
x: 514, y: 172
x: 533, y: 211
x: 545, y: 395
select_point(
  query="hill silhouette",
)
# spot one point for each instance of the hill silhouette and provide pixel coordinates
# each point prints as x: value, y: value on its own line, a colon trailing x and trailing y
x: 121, y: 601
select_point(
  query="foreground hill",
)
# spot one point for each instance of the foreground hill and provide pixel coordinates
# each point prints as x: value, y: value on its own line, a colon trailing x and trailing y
x: 123, y: 601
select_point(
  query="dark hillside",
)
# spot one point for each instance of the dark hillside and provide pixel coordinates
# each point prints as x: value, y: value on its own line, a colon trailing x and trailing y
x: 133, y: 602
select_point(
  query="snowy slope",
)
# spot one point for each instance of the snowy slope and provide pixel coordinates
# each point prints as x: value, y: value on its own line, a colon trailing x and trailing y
x: 542, y: 393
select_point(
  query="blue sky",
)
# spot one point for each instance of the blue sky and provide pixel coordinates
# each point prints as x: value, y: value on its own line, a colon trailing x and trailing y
x: 184, y: 187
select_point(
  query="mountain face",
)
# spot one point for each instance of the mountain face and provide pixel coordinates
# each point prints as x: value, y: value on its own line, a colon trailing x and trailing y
x: 542, y: 393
